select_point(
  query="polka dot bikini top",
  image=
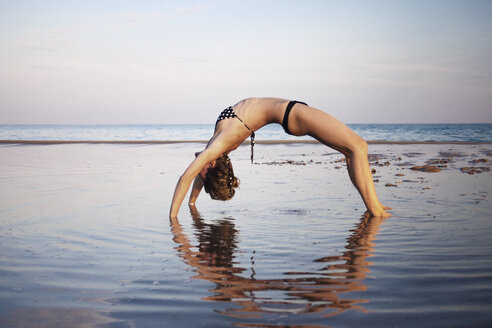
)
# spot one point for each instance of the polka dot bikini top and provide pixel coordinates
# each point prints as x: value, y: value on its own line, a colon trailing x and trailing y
x: 226, y: 113
x: 229, y: 113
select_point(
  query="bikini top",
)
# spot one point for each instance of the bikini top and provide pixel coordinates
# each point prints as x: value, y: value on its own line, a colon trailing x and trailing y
x: 229, y: 113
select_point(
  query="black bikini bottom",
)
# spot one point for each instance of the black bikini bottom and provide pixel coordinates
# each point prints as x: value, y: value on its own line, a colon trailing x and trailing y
x: 285, y: 121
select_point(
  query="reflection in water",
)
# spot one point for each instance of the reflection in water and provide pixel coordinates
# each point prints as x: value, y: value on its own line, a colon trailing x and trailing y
x: 56, y: 317
x: 296, y: 292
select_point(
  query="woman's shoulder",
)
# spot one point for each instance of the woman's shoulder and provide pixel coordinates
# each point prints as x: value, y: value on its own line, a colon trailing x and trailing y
x: 228, y: 136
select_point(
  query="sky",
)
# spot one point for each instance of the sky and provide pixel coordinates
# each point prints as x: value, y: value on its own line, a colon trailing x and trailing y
x: 168, y: 62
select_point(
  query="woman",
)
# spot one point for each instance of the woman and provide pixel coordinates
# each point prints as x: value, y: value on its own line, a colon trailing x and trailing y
x: 212, y: 168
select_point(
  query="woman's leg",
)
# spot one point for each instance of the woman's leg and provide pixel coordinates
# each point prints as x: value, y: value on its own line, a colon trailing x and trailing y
x: 337, y: 135
x: 360, y: 174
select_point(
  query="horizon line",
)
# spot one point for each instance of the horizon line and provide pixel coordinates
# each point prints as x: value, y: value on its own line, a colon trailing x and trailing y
x: 264, y: 142
x: 450, y: 123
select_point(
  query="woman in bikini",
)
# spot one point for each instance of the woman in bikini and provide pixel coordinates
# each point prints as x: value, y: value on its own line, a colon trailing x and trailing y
x: 213, y: 170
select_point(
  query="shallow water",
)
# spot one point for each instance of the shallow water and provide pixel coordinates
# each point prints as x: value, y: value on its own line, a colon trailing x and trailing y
x: 146, y: 132
x: 85, y: 240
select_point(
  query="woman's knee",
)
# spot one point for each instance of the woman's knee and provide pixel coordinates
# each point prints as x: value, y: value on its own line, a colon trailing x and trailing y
x: 359, y: 146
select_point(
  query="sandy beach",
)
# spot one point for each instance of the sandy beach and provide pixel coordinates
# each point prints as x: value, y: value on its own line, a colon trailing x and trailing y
x: 85, y: 238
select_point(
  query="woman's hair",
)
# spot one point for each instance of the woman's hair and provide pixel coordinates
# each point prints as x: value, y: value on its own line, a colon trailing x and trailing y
x: 220, y: 182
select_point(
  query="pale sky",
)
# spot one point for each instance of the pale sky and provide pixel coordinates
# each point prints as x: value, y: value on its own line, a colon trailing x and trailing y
x: 104, y: 62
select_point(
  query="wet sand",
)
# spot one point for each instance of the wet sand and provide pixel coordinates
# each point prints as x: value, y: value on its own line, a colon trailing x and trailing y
x: 85, y: 239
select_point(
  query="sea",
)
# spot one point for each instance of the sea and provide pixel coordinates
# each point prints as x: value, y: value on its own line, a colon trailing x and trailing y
x: 187, y: 132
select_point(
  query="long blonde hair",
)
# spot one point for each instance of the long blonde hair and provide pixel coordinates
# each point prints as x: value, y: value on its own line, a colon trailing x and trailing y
x: 220, y: 182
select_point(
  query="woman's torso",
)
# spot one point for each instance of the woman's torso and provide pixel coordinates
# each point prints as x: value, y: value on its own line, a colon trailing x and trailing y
x: 253, y: 113
x: 258, y: 112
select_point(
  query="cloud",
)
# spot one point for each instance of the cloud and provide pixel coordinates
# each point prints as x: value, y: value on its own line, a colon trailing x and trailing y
x: 48, y: 40
x: 414, y: 68
x: 186, y: 11
x: 190, y: 60
x: 60, y: 38
x: 124, y: 20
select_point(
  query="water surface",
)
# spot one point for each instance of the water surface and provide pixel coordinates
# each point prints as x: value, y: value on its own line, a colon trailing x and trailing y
x: 85, y: 240
x: 166, y: 132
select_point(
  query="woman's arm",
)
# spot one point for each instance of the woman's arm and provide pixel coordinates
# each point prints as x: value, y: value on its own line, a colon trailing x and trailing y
x: 195, y: 190
x: 184, y: 182
x: 197, y: 186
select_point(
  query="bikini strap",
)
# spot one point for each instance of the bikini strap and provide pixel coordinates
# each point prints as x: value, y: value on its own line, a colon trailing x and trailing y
x: 252, y: 138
